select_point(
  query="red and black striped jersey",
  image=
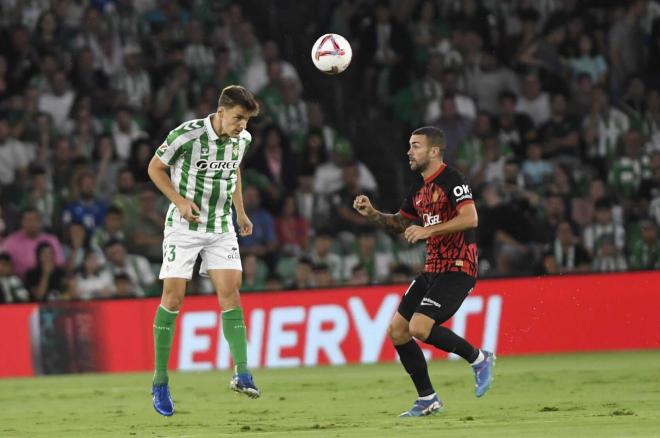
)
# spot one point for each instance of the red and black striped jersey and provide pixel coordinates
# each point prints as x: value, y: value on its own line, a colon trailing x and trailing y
x: 435, y: 200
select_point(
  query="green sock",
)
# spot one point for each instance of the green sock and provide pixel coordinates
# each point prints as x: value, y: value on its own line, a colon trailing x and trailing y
x: 233, y: 328
x: 163, y: 336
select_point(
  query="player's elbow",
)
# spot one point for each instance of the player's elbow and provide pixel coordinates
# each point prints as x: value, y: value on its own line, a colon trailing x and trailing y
x: 472, y: 221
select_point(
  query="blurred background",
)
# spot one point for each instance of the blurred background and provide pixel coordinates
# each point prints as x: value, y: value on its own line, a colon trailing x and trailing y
x: 551, y: 107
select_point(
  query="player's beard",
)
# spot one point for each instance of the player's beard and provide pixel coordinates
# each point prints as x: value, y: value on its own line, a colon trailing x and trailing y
x: 418, y: 165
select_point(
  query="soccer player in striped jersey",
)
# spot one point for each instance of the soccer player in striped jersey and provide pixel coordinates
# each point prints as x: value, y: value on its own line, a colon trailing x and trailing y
x: 198, y: 169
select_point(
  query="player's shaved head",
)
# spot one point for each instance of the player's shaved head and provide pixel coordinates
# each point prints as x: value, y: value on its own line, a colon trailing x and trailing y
x: 235, y: 95
x: 434, y: 136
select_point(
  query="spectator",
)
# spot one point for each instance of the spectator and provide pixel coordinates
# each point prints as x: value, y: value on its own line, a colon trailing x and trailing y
x: 106, y: 166
x: 125, y: 131
x: 255, y: 273
x: 627, y: 172
x: 14, y: 155
x: 565, y: 255
x: 322, y: 253
x: 515, y: 129
x: 488, y: 81
x: 146, y: 234
x: 608, y: 258
x: 263, y: 241
x: 135, y: 266
x: 365, y: 253
x: 92, y: 280
x: 604, y: 226
x: 125, y: 287
x: 304, y: 275
x: 534, y: 101
x: 46, y: 280
x: 126, y: 198
x: 346, y: 219
x: 11, y: 287
x: 645, y: 251
x: 625, y: 43
x: 328, y: 177
x: 535, y: 169
x: 456, y: 127
x: 58, y: 101
x: 322, y: 276
x: 133, y: 81
x: 86, y: 209
x: 22, y: 244
x: 292, y: 229
x: 589, y: 61
x: 76, y: 244
x: 561, y: 133
x: 112, y: 229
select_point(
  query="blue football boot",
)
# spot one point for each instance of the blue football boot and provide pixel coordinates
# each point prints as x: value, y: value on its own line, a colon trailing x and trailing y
x: 162, y: 400
x: 244, y: 384
x: 483, y: 373
x: 422, y: 408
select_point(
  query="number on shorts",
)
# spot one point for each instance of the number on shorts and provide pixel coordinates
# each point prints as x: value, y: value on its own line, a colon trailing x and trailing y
x: 171, y: 255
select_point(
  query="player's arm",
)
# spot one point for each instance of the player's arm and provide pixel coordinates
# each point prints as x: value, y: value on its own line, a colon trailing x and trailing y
x: 244, y: 223
x: 159, y: 174
x: 466, y: 219
x: 394, y: 223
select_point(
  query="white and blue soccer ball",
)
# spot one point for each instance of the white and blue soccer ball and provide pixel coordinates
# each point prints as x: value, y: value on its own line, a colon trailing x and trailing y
x: 332, y: 53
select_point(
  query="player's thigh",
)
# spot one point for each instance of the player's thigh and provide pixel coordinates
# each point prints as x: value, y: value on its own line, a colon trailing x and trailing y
x: 413, y: 296
x: 226, y: 282
x: 220, y: 252
x: 445, y: 295
x: 180, y: 253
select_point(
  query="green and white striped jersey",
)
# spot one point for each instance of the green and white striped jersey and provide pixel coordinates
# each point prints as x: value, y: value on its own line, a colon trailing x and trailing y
x: 203, y: 168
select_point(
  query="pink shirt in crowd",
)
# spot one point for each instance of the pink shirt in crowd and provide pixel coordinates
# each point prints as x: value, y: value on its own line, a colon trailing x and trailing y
x: 22, y: 250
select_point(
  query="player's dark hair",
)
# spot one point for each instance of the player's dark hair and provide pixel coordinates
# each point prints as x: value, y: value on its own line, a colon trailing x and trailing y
x: 235, y: 95
x: 435, y: 136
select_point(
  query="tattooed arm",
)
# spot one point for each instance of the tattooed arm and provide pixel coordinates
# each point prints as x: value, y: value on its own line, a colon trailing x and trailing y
x: 394, y: 223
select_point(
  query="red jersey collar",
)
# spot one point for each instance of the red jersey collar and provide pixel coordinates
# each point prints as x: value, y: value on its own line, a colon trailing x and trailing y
x: 435, y: 175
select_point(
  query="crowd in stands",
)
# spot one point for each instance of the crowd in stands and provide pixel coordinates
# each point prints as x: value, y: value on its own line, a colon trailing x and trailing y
x: 551, y: 107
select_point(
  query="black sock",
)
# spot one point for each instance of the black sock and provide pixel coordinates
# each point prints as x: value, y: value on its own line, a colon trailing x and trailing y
x: 444, y: 339
x: 413, y: 361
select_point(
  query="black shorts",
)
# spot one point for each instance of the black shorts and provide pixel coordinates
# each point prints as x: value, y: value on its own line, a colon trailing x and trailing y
x: 436, y: 295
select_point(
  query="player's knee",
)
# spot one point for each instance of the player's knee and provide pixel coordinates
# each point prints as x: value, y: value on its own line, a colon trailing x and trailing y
x: 398, y: 334
x: 418, y: 330
x: 172, y: 300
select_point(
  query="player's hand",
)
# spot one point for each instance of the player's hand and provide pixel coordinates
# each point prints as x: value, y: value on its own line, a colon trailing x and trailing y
x: 188, y: 210
x: 414, y: 233
x: 244, y: 225
x: 363, y: 205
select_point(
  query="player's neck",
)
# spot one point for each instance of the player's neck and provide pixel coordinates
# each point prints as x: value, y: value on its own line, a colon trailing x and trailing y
x: 432, y: 168
x: 216, y: 124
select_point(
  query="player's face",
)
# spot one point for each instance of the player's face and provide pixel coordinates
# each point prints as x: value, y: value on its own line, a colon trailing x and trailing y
x: 234, y: 120
x: 419, y: 153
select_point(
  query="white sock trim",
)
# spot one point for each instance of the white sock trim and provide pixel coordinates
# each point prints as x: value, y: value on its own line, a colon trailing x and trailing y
x: 173, y: 312
x: 428, y: 397
x: 229, y: 310
x: 480, y: 358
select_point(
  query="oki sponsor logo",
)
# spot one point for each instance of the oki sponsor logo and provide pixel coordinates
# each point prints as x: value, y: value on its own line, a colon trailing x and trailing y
x: 309, y: 335
x: 217, y: 165
x: 462, y: 192
x: 431, y: 219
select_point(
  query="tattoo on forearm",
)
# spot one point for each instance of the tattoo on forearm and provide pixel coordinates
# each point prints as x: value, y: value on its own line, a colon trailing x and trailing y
x: 394, y: 223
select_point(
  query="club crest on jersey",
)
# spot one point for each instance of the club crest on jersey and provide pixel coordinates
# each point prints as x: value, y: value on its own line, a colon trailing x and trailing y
x: 431, y: 219
x: 217, y: 165
x: 462, y: 192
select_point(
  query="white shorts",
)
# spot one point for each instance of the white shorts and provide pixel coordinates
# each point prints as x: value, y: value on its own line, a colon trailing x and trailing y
x: 181, y: 247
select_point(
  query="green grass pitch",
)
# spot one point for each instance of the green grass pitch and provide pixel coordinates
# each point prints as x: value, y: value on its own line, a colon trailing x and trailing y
x: 576, y: 395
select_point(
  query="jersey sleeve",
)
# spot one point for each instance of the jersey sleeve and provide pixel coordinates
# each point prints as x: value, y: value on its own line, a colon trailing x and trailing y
x: 407, y: 208
x: 460, y: 192
x: 172, y: 147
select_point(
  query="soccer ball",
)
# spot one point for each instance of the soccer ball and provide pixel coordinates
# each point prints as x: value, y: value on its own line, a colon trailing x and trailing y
x: 332, y: 53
